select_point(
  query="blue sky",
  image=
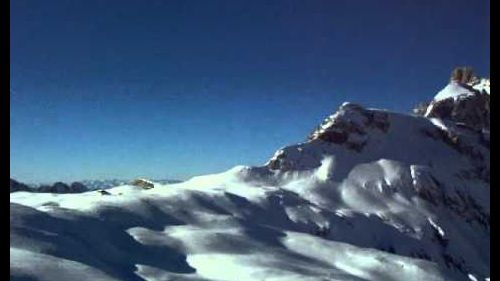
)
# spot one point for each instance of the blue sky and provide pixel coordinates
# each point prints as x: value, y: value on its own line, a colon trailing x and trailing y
x: 172, y: 89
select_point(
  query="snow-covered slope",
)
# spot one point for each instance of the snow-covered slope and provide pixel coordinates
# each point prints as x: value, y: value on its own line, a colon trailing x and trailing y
x: 371, y: 195
x: 453, y: 90
x: 463, y: 82
x: 457, y: 90
x: 211, y: 228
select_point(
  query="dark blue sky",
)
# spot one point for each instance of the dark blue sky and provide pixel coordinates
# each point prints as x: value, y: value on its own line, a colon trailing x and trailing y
x: 172, y: 89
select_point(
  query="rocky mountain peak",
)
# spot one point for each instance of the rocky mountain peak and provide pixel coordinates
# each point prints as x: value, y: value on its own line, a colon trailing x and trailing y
x: 463, y: 74
x: 349, y: 126
x: 465, y: 100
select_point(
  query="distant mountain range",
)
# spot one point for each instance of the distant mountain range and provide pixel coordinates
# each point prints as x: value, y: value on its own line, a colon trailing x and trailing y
x: 108, y: 183
x: 75, y: 187
x: 58, y: 187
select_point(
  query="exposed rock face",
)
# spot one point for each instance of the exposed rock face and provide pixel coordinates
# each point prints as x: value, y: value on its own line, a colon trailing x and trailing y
x: 350, y: 127
x: 473, y: 111
x: 143, y: 183
x: 465, y: 100
x: 470, y: 143
x: 17, y: 186
x: 463, y: 75
x: 104, y: 192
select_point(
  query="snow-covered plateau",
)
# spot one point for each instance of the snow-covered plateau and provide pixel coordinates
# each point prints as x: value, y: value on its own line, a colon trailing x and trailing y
x: 371, y: 195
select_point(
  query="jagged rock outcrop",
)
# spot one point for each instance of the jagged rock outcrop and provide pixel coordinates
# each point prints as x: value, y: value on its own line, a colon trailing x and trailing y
x: 465, y: 100
x: 472, y: 110
x: 463, y: 75
x: 349, y: 125
x: 143, y: 183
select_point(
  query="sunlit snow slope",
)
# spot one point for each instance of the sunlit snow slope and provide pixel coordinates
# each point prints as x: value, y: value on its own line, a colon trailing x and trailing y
x: 371, y: 195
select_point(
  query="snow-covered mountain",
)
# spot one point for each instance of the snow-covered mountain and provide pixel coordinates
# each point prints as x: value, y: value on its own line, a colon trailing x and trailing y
x: 370, y: 195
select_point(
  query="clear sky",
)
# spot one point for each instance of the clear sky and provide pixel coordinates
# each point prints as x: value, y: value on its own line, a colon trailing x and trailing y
x: 172, y: 89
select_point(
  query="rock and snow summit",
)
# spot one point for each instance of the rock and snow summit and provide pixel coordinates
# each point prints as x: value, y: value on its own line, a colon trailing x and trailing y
x: 369, y: 195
